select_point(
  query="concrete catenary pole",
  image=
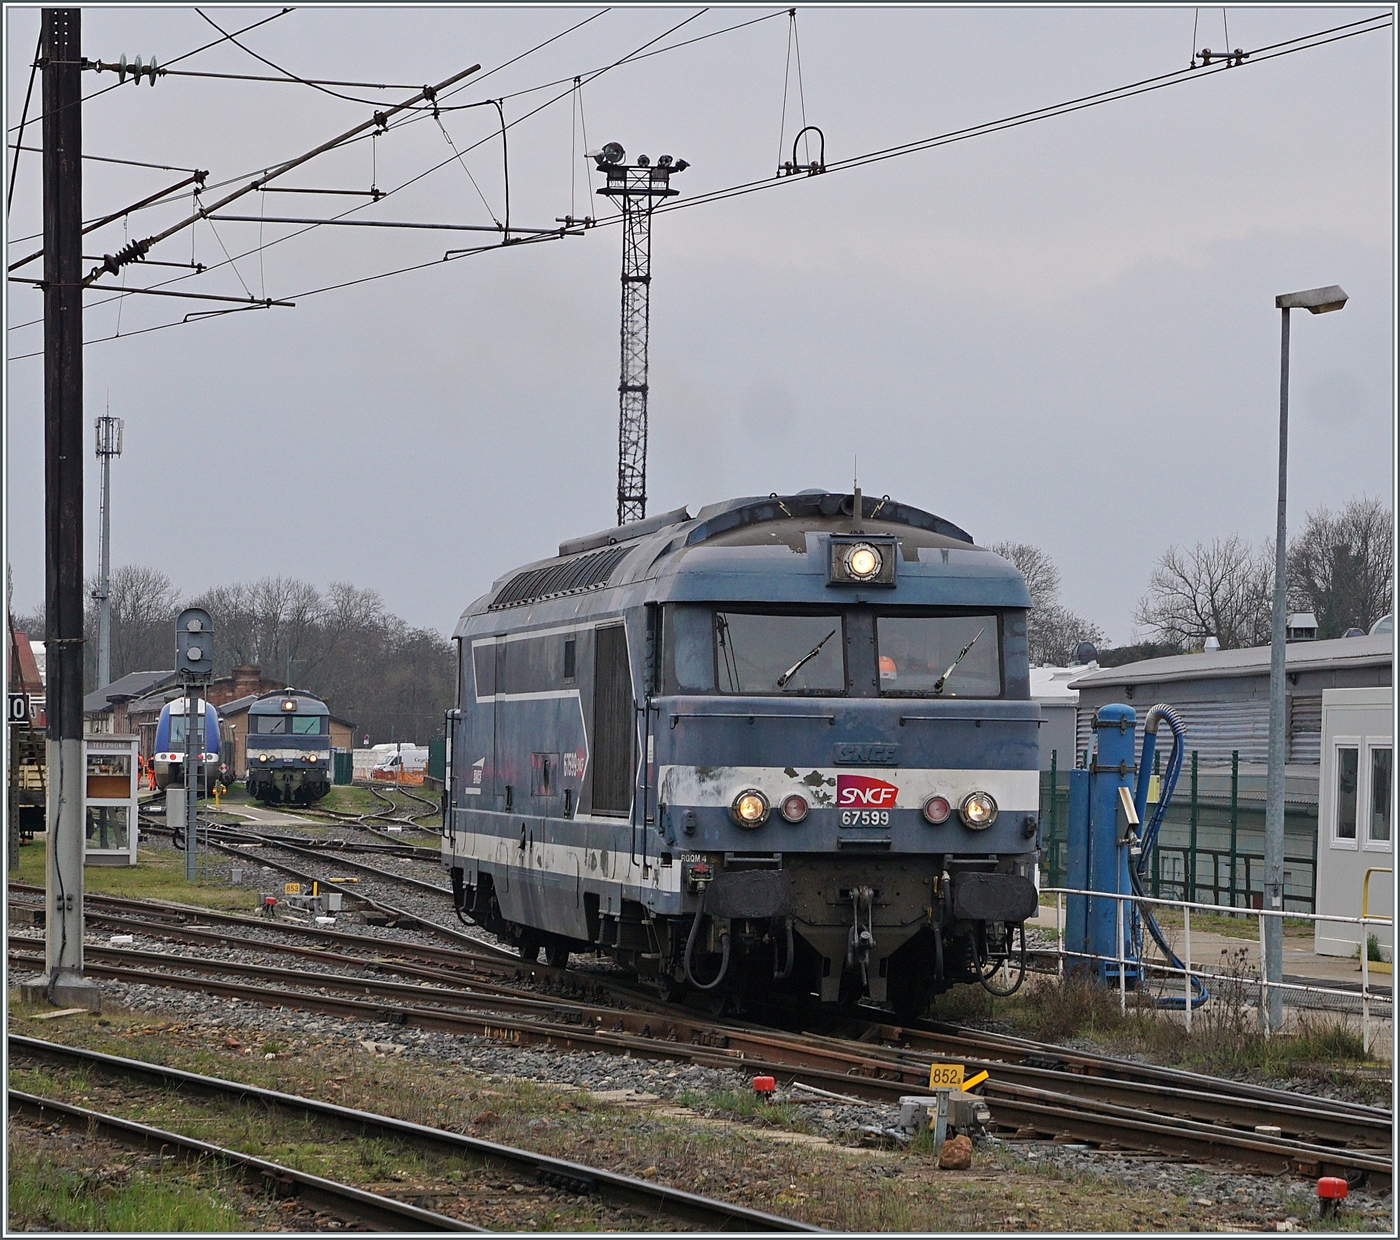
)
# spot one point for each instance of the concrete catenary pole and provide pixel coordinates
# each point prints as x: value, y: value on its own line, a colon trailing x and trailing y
x: 61, y: 57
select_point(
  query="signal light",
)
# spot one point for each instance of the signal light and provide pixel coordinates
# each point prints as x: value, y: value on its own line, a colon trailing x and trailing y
x: 794, y: 808
x: 937, y: 809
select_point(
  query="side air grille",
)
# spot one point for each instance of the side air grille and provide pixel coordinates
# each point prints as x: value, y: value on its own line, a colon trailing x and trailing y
x: 572, y: 576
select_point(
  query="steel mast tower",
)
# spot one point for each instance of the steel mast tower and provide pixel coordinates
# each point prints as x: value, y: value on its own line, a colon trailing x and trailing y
x: 637, y: 188
x: 109, y: 444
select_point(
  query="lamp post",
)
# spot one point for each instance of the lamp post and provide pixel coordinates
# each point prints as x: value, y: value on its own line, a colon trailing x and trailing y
x: 1315, y: 301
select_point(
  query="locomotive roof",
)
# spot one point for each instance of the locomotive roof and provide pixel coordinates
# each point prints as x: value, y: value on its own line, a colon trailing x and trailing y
x: 754, y: 549
x: 270, y: 703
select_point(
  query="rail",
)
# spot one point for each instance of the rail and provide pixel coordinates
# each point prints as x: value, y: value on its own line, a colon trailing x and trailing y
x: 1187, y: 972
x: 658, y: 1199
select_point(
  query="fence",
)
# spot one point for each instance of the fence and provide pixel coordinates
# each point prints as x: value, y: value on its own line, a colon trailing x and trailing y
x: 1209, y: 846
x: 1187, y: 971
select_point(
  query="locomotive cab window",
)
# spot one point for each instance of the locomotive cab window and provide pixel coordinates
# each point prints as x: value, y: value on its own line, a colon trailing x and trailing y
x: 272, y: 725
x: 778, y: 654
x: 306, y: 725
x: 939, y: 656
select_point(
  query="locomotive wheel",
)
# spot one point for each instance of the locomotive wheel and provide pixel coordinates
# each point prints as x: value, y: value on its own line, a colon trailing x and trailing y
x: 556, y: 954
x: 668, y: 989
x: 529, y: 943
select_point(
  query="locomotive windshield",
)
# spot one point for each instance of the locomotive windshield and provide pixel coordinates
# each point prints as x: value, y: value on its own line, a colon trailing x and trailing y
x: 939, y: 656
x: 288, y: 725
x: 779, y: 654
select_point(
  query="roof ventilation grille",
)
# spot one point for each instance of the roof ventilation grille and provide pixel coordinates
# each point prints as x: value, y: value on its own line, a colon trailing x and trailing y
x: 572, y: 576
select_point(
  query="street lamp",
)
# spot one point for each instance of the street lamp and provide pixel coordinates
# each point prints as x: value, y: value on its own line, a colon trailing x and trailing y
x: 1315, y: 301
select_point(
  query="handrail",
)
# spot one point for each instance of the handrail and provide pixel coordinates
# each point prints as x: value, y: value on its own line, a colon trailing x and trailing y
x: 1216, y: 908
x: 1366, y: 889
x: 750, y: 715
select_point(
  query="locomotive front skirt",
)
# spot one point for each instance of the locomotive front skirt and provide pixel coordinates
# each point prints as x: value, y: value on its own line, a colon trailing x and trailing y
x: 781, y: 745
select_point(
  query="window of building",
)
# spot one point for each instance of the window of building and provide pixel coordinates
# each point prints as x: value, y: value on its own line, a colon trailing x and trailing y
x: 1348, y: 764
x: 1378, y: 823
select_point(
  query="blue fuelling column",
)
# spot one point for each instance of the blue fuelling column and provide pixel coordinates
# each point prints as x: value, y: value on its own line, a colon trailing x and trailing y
x: 1103, y: 826
x: 1111, y: 840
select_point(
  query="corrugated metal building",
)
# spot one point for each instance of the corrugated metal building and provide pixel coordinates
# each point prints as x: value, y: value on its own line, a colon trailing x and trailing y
x: 1222, y: 696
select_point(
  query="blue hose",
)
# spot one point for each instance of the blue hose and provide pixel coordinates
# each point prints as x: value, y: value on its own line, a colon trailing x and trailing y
x: 1142, y: 915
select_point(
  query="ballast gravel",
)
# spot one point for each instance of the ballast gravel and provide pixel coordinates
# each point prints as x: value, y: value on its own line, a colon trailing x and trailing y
x: 1270, y: 1200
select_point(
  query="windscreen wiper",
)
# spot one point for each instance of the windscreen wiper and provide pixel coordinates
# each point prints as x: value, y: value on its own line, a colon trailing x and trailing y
x: 943, y: 679
x: 804, y: 660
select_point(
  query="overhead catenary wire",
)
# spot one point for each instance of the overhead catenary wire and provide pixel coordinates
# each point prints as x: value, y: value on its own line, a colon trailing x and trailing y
x: 420, y: 176
x: 639, y: 54
x: 1275, y: 50
x: 204, y: 48
x: 288, y: 165
x: 23, y: 117
x: 1176, y: 77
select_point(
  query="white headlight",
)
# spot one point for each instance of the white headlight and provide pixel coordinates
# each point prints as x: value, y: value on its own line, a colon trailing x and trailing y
x: 863, y: 561
x: 978, y: 810
x: 750, y: 808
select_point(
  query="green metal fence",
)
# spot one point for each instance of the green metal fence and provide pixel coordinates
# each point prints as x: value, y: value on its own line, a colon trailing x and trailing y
x: 1211, y: 848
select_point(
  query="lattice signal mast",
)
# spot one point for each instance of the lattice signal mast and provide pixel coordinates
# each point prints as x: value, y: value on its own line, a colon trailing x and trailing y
x: 637, y: 188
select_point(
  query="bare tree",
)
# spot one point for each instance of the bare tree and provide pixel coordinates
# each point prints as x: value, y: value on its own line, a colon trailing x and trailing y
x: 1341, y: 567
x: 1221, y: 589
x: 1052, y: 630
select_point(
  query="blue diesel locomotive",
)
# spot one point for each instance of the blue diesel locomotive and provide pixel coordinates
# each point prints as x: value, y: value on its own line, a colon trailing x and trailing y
x: 169, y: 756
x: 780, y: 746
x: 288, y: 747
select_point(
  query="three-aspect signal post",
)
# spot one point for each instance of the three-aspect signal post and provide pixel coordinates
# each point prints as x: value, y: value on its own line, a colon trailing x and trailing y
x: 194, y: 660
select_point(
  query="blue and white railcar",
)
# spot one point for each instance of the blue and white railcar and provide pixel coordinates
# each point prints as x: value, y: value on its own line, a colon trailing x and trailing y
x: 287, y: 748
x: 778, y: 745
x: 169, y: 756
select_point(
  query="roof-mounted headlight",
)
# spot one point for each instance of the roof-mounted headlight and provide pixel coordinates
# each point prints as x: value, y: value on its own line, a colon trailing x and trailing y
x: 861, y: 559
x: 863, y: 562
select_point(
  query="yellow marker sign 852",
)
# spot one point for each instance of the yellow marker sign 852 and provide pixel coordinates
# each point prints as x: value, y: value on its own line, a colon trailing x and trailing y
x: 945, y: 1076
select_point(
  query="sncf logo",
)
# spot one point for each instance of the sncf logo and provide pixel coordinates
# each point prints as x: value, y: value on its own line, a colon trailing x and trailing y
x: 862, y: 790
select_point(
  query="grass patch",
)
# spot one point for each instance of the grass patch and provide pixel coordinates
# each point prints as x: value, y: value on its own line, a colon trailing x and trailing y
x: 1225, y: 1039
x: 51, y: 1190
x: 159, y: 874
x: 744, y: 1105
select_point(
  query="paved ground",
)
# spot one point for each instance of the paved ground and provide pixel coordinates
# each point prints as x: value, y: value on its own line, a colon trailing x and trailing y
x: 261, y: 817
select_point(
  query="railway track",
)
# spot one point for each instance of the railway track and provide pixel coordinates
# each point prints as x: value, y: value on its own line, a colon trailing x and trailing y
x: 660, y: 1201
x: 1192, y: 1117
x: 353, y: 1205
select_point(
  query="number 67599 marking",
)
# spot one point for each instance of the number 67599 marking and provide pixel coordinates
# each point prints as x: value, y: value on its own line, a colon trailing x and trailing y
x: 865, y: 818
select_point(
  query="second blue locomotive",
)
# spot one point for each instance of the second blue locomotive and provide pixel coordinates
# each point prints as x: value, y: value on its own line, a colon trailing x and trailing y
x: 288, y: 747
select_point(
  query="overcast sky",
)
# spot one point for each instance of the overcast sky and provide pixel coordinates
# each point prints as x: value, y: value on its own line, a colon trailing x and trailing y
x: 1062, y: 334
